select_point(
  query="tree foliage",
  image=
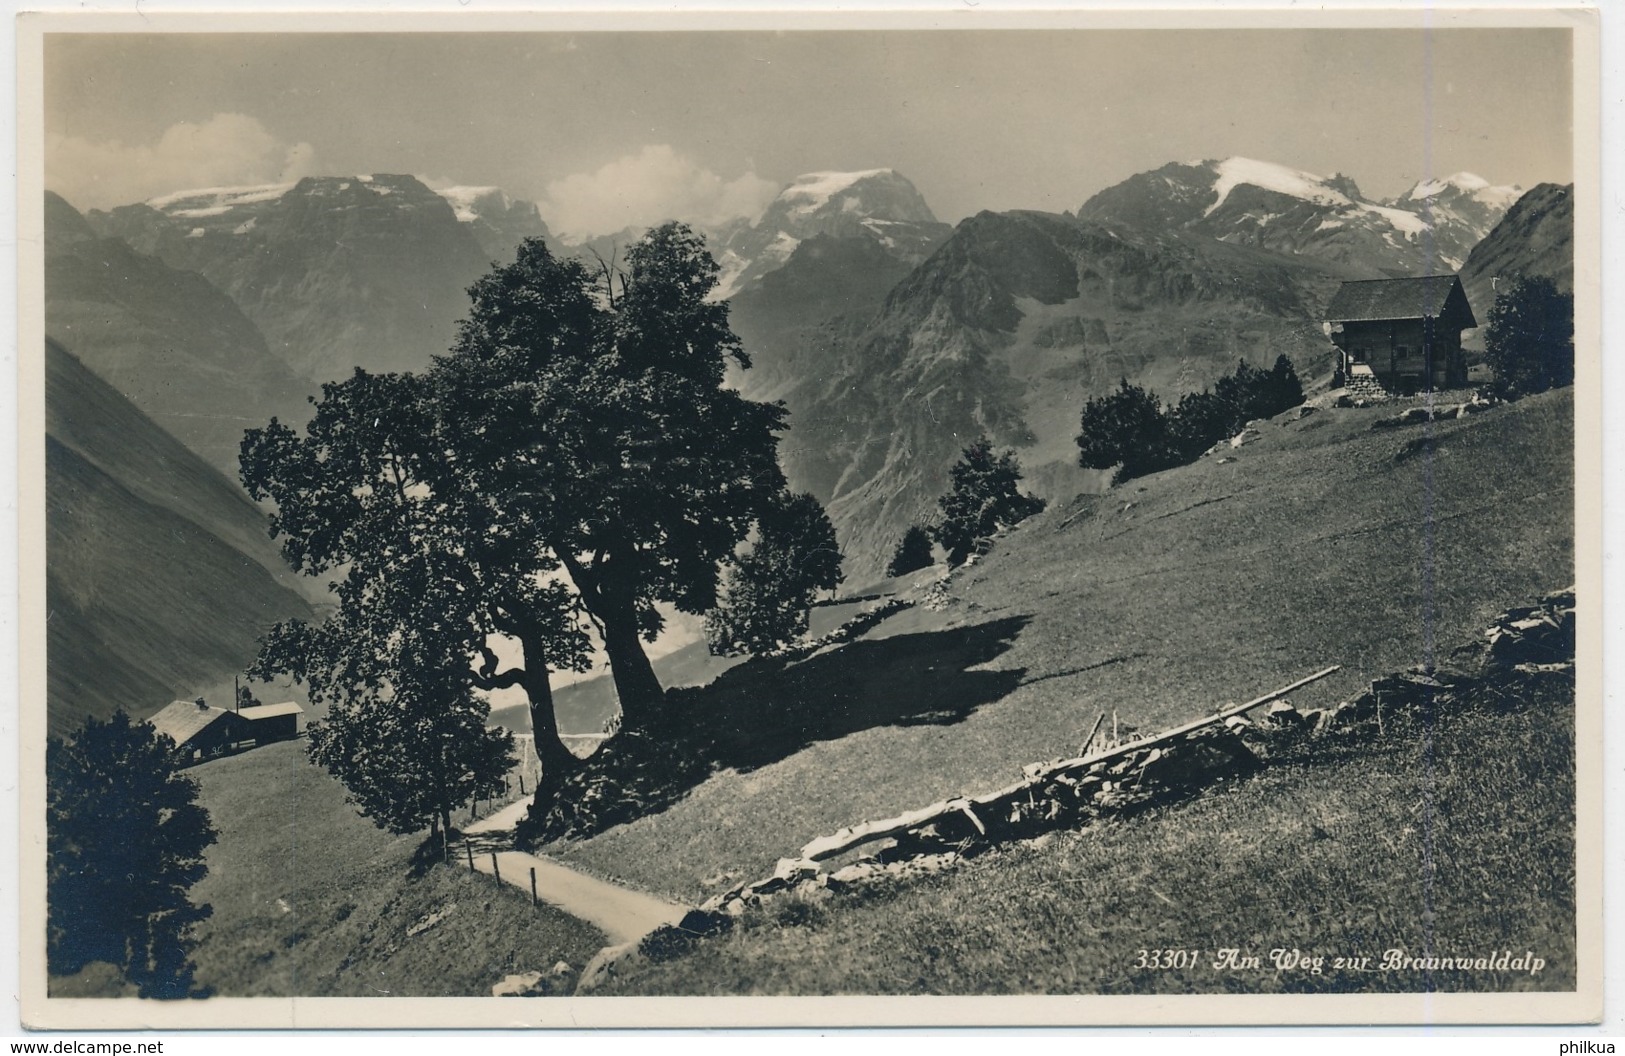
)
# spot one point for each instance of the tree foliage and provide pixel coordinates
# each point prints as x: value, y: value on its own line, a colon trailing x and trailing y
x: 913, y: 552
x: 124, y: 845
x: 1530, y: 340
x: 1132, y: 430
x: 430, y: 571
x: 770, y: 588
x: 1126, y: 429
x: 593, y: 411
x: 981, y: 499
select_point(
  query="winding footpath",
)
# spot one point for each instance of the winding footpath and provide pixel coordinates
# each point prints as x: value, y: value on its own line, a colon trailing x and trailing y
x: 622, y: 914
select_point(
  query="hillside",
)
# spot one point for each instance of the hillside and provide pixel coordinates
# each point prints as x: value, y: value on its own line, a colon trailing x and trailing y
x: 1006, y: 330
x: 1324, y: 541
x: 1332, y: 857
x: 312, y: 900
x: 161, y: 575
x: 1536, y: 237
x: 178, y: 348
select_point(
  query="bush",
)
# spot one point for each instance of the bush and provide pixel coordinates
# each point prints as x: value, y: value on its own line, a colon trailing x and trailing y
x: 983, y: 498
x: 1131, y: 430
x: 1126, y: 429
x: 1530, y: 340
x: 912, y: 554
x: 124, y: 845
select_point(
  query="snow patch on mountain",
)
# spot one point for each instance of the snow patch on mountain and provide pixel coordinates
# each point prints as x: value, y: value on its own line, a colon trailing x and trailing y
x: 213, y: 201
x: 812, y: 191
x: 464, y: 199
x: 1234, y: 172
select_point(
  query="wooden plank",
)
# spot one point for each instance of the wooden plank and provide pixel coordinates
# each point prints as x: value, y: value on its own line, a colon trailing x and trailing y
x: 1180, y: 731
x: 857, y: 835
x: 1091, y: 738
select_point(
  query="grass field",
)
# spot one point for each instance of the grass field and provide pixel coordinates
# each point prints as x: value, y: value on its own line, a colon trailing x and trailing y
x: 1322, y: 542
x: 312, y: 900
x: 1453, y: 838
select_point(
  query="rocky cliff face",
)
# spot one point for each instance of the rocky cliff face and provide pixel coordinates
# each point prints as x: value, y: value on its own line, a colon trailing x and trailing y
x: 337, y: 272
x: 166, y: 339
x: 1428, y: 230
x: 880, y: 206
x: 1005, y: 331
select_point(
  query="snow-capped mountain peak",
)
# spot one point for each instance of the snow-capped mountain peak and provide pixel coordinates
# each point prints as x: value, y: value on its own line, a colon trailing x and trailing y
x: 811, y: 191
x: 1243, y: 200
x: 216, y: 201
x: 1464, y: 185
x: 876, y: 204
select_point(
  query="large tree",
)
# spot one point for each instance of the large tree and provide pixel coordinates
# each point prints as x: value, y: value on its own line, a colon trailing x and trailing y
x: 124, y: 844
x: 372, y: 494
x: 590, y: 409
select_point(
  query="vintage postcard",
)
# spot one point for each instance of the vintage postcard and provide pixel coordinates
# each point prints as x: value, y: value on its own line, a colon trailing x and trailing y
x: 896, y: 518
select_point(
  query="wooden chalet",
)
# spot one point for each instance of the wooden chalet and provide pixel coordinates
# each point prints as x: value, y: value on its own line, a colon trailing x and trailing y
x: 199, y: 730
x: 1400, y: 336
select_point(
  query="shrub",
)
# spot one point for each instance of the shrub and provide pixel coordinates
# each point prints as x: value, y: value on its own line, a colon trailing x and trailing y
x: 912, y: 554
x: 1130, y: 428
x: 1126, y: 429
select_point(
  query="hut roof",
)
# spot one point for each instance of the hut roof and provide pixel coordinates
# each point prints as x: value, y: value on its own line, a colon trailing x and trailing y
x: 184, y: 719
x: 271, y: 711
x: 1370, y: 300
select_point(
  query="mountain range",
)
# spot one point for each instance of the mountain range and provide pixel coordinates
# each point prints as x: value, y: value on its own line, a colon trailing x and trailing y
x: 894, y: 340
x: 1427, y: 230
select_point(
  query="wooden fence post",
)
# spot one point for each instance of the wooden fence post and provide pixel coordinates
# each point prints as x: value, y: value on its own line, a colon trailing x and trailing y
x: 469, y: 847
x: 494, y: 870
x: 533, y: 887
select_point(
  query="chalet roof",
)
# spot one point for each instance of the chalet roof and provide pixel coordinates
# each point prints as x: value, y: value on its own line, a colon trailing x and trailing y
x: 1368, y: 300
x: 271, y: 711
x: 184, y: 720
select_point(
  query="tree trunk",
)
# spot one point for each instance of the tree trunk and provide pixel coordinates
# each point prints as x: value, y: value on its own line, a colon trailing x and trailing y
x: 636, y: 686
x: 556, y: 760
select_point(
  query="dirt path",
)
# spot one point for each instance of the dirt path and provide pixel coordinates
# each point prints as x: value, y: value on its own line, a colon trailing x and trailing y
x: 622, y: 914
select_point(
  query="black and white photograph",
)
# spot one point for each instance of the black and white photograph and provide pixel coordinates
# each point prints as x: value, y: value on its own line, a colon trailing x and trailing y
x: 874, y: 511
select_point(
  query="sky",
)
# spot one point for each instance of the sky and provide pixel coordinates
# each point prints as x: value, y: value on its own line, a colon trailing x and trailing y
x: 604, y: 130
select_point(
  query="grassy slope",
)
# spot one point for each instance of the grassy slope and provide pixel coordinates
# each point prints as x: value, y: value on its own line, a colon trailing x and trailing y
x: 1403, y: 846
x: 1161, y: 600
x: 312, y: 900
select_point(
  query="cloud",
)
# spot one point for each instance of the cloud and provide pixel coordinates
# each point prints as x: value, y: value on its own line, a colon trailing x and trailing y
x: 649, y: 187
x: 225, y: 150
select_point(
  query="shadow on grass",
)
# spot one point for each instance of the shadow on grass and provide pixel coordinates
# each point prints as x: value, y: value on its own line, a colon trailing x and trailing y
x: 766, y: 710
